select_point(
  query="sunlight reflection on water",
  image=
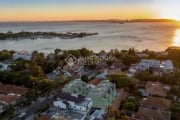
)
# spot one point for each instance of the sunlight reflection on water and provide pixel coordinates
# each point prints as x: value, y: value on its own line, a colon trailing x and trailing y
x: 176, y: 39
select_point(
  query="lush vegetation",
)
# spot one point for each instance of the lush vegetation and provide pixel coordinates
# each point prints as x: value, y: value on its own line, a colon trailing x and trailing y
x: 131, y: 104
x: 175, y: 109
x: 5, y: 55
x: 84, y: 78
x: 35, y: 35
x: 174, y: 55
x: 121, y: 80
x: 172, y: 78
x: 32, y: 73
x: 127, y: 57
x: 8, y: 113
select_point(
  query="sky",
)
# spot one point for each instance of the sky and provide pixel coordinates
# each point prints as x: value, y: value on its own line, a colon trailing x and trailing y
x: 49, y: 10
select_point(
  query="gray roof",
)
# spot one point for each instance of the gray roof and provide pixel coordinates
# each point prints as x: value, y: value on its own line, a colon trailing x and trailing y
x: 77, y: 98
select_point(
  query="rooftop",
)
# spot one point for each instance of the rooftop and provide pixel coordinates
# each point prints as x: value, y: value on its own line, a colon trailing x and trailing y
x: 101, y: 88
x: 76, y: 82
x: 151, y: 114
x: 44, y: 117
x: 12, y: 89
x: 67, y: 115
x: 121, y: 96
x: 8, y: 99
x: 77, y: 98
x: 94, y: 81
x: 155, y: 102
x: 156, y: 88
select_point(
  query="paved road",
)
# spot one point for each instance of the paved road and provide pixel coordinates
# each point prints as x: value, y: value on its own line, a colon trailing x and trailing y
x: 33, y: 109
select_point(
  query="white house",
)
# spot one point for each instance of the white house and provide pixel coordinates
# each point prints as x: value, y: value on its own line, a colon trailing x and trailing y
x: 98, y: 115
x: 5, y: 65
x: 131, y: 72
x: 59, y: 104
x: 147, y: 64
x: 23, y: 55
x: 73, y: 101
x: 165, y: 66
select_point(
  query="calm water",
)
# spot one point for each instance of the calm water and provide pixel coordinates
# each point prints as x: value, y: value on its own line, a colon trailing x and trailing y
x: 153, y: 36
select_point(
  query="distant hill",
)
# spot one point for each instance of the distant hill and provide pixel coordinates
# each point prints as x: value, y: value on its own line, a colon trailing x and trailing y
x: 127, y: 21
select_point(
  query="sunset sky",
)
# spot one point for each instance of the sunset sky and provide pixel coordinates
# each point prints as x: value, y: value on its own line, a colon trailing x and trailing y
x: 47, y: 10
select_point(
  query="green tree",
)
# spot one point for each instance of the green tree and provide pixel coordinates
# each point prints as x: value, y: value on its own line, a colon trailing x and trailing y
x: 143, y: 75
x: 131, y: 104
x: 84, y: 78
x: 5, y: 55
x: 175, y: 109
x: 121, y: 80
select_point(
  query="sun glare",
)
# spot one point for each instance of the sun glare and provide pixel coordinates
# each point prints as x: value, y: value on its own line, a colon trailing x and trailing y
x: 176, y: 40
x: 170, y: 12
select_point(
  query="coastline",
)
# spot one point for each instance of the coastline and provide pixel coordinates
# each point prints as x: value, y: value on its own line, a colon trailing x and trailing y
x: 46, y: 35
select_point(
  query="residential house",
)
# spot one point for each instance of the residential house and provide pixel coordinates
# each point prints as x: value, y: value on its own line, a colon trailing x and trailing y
x: 76, y: 86
x: 147, y: 64
x: 55, y: 74
x: 103, y: 95
x: 9, y: 99
x: 157, y: 88
x: 165, y: 66
x: 97, y: 114
x: 5, y: 65
x: 22, y: 55
x: 11, y: 94
x: 132, y: 70
x: 152, y: 114
x: 156, y: 103
x: 72, y: 106
x: 154, y: 108
x: 73, y: 102
x: 102, y: 75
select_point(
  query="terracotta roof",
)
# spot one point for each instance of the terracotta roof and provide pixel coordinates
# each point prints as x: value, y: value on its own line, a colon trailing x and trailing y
x: 44, y: 117
x: 94, y: 82
x: 121, y: 96
x: 151, y: 114
x: 8, y: 99
x: 155, y: 102
x: 156, y: 88
x: 8, y: 89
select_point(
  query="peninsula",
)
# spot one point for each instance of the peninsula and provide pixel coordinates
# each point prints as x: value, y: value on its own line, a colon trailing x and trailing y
x: 45, y: 35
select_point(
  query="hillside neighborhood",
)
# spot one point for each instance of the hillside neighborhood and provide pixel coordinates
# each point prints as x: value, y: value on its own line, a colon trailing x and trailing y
x: 83, y: 85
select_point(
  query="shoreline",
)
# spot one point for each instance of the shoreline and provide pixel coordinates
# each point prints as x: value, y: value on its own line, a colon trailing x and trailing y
x: 45, y: 35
